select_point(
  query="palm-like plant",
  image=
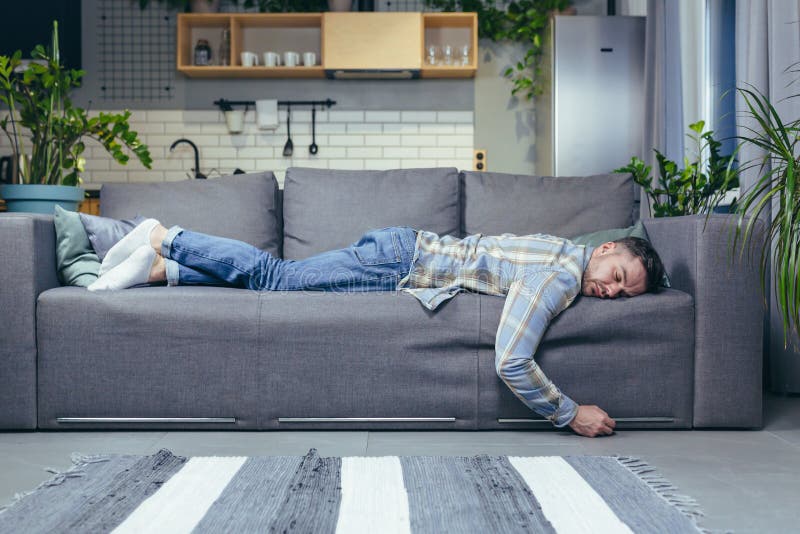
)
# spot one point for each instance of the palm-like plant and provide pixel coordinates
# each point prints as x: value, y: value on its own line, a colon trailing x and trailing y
x: 778, y: 174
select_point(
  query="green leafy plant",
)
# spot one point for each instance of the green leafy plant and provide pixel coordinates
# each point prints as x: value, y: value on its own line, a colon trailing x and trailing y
x: 523, y: 21
x: 698, y: 187
x: 776, y: 189
x: 38, y: 102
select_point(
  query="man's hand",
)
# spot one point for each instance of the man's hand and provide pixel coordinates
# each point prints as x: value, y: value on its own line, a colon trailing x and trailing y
x: 591, y: 421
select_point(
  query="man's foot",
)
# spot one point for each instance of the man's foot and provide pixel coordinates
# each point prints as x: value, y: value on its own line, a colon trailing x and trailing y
x: 131, y: 272
x: 127, y: 245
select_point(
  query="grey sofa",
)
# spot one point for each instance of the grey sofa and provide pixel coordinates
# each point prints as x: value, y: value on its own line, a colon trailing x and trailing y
x: 218, y: 358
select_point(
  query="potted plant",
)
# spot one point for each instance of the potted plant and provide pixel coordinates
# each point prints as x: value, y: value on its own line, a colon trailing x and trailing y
x: 47, y: 131
x: 777, y: 188
x: 699, y: 187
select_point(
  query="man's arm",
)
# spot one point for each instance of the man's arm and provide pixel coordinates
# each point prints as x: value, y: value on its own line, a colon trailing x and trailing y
x: 530, y: 305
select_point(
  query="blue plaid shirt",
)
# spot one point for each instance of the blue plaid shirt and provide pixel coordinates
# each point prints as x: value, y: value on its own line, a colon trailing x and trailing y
x: 539, y: 275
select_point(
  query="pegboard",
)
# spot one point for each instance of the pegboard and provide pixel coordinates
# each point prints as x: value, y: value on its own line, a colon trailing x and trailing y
x: 136, y: 49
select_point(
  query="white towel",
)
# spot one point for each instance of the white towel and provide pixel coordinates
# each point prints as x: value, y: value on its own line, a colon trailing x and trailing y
x: 267, y: 114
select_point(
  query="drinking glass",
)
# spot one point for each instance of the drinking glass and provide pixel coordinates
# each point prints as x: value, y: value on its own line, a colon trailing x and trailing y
x: 432, y: 53
x: 465, y: 54
x: 447, y: 55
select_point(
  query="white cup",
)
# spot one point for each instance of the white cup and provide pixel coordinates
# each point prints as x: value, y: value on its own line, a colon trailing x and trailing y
x: 272, y: 59
x: 234, y: 119
x: 309, y: 59
x: 291, y: 59
x: 249, y: 59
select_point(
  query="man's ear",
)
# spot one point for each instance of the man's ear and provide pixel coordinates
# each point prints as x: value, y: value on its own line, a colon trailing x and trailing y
x: 608, y: 246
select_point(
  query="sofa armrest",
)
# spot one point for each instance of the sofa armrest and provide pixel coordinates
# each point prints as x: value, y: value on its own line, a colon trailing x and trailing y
x: 27, y: 267
x: 699, y: 257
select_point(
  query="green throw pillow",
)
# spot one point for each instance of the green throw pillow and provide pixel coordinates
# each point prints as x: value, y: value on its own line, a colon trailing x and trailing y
x: 76, y: 260
x: 595, y: 239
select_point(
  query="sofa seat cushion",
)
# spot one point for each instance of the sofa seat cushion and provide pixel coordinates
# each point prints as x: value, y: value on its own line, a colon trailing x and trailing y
x: 368, y: 355
x: 327, y: 209
x: 215, y: 352
x: 242, y: 206
x: 632, y: 357
x: 148, y: 352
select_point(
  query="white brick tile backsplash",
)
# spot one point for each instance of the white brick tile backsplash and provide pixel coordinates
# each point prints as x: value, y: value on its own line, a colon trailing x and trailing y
x: 382, y: 140
x: 147, y: 128
x: 346, y: 116
x: 335, y: 128
x: 417, y: 163
x: 346, y: 140
x: 455, y: 116
x: 419, y: 140
x: 145, y: 176
x: 331, y: 152
x: 350, y: 140
x: 382, y: 164
x: 455, y: 140
x: 399, y: 128
x: 400, y: 152
x: 418, y: 116
x: 364, y: 128
x: 437, y: 152
x: 227, y: 166
x: 464, y: 153
x: 364, y: 152
x: 466, y: 129
x: 382, y: 116
x: 203, y: 116
x: 348, y: 164
x: 437, y: 128
x: 214, y: 128
x: 461, y: 164
x: 178, y: 129
x: 219, y: 152
x: 255, y: 152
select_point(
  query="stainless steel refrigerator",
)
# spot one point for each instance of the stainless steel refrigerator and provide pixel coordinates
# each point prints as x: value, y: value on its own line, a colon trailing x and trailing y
x: 590, y: 118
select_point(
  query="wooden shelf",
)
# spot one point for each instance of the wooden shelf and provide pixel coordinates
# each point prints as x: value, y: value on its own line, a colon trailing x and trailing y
x: 383, y: 38
x: 254, y: 72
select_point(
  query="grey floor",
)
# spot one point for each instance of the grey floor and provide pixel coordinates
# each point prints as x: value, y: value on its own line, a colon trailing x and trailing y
x: 745, y: 481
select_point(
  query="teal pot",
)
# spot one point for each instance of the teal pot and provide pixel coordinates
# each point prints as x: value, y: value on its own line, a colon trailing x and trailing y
x: 36, y: 198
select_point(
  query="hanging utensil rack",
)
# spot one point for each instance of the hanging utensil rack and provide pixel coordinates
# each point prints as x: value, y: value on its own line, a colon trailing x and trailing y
x: 227, y: 105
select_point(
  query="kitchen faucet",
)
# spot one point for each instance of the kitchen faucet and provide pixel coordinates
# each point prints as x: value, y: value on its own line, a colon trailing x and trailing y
x: 197, y: 173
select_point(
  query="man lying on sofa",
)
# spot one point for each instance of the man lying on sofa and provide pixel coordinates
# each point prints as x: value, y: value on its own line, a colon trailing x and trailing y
x: 539, y: 275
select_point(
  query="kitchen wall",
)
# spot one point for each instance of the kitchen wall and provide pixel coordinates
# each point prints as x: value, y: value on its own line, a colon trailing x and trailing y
x: 346, y: 139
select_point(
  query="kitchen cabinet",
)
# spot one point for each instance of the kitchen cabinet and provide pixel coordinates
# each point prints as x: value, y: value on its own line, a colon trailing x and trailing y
x: 356, y: 45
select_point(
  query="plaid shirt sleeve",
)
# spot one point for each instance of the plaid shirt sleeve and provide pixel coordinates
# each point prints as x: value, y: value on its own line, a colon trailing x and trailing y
x: 531, y: 304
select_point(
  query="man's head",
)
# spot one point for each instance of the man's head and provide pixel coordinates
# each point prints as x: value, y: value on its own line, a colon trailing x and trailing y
x: 623, y: 268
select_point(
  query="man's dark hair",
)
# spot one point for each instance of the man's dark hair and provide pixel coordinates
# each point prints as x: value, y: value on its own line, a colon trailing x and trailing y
x: 642, y: 249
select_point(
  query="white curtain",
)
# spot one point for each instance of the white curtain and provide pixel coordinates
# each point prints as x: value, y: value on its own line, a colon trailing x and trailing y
x: 663, y: 116
x: 767, y: 43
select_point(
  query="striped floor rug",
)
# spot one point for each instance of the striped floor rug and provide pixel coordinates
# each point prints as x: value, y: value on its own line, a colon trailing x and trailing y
x: 390, y: 494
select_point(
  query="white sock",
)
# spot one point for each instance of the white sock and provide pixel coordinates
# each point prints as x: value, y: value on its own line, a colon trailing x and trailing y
x: 133, y: 271
x: 136, y: 238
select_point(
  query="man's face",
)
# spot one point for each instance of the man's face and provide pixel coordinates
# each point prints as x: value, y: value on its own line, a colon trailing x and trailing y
x: 613, y: 272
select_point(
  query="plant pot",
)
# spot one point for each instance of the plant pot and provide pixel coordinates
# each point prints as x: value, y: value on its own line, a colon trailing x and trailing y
x: 340, y: 5
x: 204, y: 6
x: 34, y: 198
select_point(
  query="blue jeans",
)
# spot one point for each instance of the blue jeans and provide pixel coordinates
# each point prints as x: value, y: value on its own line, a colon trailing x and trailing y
x: 377, y: 262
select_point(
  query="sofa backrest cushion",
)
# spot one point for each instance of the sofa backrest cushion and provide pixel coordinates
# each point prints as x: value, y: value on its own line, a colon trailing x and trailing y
x: 329, y: 209
x: 242, y: 206
x: 496, y: 203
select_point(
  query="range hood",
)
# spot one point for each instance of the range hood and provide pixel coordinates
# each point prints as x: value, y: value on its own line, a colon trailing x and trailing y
x: 359, y: 46
x: 372, y: 74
